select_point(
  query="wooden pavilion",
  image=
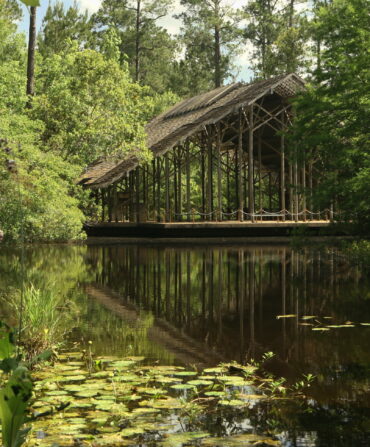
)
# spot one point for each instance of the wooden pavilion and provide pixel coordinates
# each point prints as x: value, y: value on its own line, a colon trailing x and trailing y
x: 219, y: 156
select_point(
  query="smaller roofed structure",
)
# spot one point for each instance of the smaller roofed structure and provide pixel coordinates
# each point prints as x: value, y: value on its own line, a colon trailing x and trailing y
x: 220, y: 155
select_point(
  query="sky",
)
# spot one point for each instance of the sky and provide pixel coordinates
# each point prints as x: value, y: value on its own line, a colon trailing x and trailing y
x: 168, y: 22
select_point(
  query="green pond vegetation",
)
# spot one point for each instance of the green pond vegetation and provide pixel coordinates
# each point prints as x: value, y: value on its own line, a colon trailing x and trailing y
x: 123, y: 401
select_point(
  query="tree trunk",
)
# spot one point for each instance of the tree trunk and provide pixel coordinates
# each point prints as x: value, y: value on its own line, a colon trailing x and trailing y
x: 137, y: 41
x: 217, y: 49
x: 31, y: 57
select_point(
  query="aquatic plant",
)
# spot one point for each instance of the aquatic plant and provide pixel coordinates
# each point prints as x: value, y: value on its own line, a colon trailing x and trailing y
x: 46, y: 318
x: 15, y: 391
x: 121, y: 401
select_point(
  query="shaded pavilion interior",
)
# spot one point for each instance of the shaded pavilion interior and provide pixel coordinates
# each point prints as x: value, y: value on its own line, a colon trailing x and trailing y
x: 220, y: 156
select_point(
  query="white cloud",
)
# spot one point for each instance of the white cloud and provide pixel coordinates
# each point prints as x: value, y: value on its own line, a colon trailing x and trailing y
x: 90, y: 5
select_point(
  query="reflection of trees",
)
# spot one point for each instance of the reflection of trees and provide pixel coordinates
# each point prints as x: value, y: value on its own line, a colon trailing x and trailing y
x: 62, y: 267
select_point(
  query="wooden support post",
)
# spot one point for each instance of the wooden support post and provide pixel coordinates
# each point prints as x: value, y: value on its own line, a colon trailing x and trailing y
x: 251, y: 166
x: 304, y: 201
x: 260, y: 174
x: 296, y: 197
x: 282, y: 171
x: 159, y: 217
x: 310, y: 183
x: 291, y: 198
x: 137, y: 187
x: 154, y: 190
x: 188, y: 208
x: 103, y: 205
x: 145, y: 191
x: 228, y: 207
x: 131, y: 197
x: 203, y: 174
x: 167, y: 187
x: 180, y: 183
x: 176, y: 209
x: 219, y: 172
x: 239, y: 168
x: 331, y: 212
x: 209, y: 177
x: 114, y: 203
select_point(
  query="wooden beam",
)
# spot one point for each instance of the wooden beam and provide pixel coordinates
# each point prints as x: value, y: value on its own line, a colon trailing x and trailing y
x: 260, y: 172
x: 282, y: 171
x: 219, y: 173
x: 304, y: 201
x: 210, y: 176
x: 167, y: 187
x: 250, y: 165
x: 179, y: 184
x: 137, y: 190
x: 239, y: 168
x: 188, y: 209
x: 159, y: 217
x: 203, y: 175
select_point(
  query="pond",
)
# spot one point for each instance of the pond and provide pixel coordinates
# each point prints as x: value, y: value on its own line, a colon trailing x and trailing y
x: 198, y: 305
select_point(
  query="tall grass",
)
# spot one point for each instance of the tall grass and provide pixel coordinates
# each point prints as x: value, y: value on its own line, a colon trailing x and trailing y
x: 47, y: 318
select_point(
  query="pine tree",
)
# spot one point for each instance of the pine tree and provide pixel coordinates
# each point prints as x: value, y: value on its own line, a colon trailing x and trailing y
x: 278, y: 34
x: 146, y: 46
x: 61, y: 26
x: 210, y: 34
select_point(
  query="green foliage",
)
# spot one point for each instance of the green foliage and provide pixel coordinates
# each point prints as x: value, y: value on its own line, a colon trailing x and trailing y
x: 31, y: 2
x: 333, y: 115
x: 210, y: 36
x: 14, y: 398
x: 46, y: 317
x: 359, y: 251
x: 90, y: 107
x: 15, y: 392
x: 279, y: 35
x: 148, y: 49
x: 61, y: 27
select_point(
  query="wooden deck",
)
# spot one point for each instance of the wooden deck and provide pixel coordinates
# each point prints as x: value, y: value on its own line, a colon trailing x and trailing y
x: 205, y: 229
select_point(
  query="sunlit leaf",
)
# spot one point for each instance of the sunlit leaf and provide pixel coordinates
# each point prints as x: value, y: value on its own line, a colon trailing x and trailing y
x: 31, y: 2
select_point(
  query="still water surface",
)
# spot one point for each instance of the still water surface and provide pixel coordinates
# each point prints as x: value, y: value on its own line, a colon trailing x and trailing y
x: 201, y: 305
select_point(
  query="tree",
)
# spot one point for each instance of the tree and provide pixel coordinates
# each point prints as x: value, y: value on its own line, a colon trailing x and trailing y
x: 60, y: 27
x: 278, y: 34
x: 35, y: 187
x: 31, y: 49
x: 90, y: 107
x: 333, y: 115
x: 10, y: 10
x: 210, y: 34
x: 147, y: 47
x: 31, y: 55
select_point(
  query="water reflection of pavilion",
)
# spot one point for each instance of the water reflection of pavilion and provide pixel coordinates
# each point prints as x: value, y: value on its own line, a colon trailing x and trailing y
x: 227, y: 298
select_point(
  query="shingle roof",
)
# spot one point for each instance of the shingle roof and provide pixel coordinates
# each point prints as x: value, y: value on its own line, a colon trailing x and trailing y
x: 189, y: 117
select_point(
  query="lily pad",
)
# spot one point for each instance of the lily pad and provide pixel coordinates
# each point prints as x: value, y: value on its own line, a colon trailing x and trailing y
x: 86, y: 394
x: 183, y: 386
x: 232, y: 403
x: 132, y: 431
